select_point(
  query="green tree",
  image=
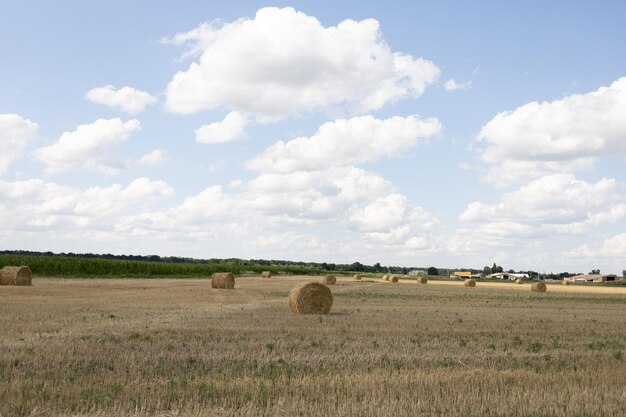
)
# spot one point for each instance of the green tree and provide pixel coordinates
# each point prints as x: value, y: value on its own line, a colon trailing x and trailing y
x: 595, y: 272
x: 433, y: 271
x: 486, y: 270
x: 494, y: 268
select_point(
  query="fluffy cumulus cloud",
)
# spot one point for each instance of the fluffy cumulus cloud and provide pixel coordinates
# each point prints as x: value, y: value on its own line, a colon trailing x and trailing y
x: 613, y: 247
x: 37, y: 205
x: 230, y: 129
x: 283, y: 62
x: 557, y: 204
x: 127, y: 99
x: 153, y: 158
x: 562, y: 135
x: 347, y: 141
x: 452, y: 85
x: 15, y: 135
x: 88, y: 147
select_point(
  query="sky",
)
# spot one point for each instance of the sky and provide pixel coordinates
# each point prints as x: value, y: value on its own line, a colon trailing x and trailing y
x: 435, y: 133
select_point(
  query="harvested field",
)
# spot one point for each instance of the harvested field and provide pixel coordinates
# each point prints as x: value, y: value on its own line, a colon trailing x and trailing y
x: 129, y: 347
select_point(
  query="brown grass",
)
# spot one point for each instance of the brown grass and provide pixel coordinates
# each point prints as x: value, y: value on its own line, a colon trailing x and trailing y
x: 470, y: 283
x: 145, y: 347
x: 15, y: 275
x: 311, y: 298
x: 538, y: 287
x: 223, y: 280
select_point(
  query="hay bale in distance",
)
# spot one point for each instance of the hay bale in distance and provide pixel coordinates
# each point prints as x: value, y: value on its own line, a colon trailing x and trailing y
x: 393, y: 278
x: 311, y: 298
x: 16, y: 275
x: 266, y: 274
x: 538, y: 287
x: 470, y: 283
x: 386, y: 277
x: 330, y: 280
x: 566, y: 282
x: 223, y: 280
x: 357, y: 277
x: 519, y: 281
x: 422, y: 280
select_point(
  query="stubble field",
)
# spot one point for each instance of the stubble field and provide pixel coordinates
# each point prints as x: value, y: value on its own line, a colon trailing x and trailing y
x: 177, y: 347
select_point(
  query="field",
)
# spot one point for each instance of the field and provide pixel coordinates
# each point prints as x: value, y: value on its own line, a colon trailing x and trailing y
x: 176, y: 347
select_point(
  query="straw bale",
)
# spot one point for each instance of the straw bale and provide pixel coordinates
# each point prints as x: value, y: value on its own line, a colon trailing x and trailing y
x: 223, y: 280
x: 311, y: 298
x: 16, y: 275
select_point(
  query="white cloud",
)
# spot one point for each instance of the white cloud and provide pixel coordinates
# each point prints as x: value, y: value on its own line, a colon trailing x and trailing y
x: 88, y: 146
x: 613, y: 247
x: 283, y: 62
x: 15, y: 134
x: 40, y: 205
x: 344, y: 142
x: 127, y: 99
x: 452, y: 85
x: 557, y: 204
x: 230, y: 129
x: 153, y: 158
x: 562, y: 135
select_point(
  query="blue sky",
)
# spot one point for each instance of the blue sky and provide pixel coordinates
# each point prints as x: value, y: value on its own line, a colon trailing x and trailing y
x: 431, y: 133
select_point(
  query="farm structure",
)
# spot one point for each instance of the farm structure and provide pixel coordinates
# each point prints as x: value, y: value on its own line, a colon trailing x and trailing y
x: 506, y: 275
x: 593, y: 278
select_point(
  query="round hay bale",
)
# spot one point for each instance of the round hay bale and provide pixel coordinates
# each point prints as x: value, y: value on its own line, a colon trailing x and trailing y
x: 266, y: 274
x: 470, y: 283
x: 538, y: 287
x: 519, y: 281
x: 16, y: 275
x: 422, y: 280
x: 311, y: 298
x: 566, y: 282
x: 330, y: 280
x: 357, y: 277
x: 385, y: 277
x: 393, y: 278
x: 223, y: 280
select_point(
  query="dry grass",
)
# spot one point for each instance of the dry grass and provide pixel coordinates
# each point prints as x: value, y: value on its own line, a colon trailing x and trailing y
x: 178, y: 347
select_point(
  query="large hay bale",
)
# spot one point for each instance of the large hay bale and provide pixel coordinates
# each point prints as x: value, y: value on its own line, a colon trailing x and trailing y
x: 330, y: 280
x: 16, y: 275
x: 538, y: 287
x: 566, y: 282
x: 266, y: 274
x: 519, y: 281
x: 357, y: 277
x: 311, y: 298
x: 385, y: 277
x: 470, y: 283
x: 223, y: 280
x: 393, y: 278
x: 422, y: 280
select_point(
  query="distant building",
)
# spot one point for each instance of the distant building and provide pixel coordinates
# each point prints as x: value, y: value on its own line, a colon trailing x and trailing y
x: 593, y: 278
x: 418, y: 272
x: 506, y: 275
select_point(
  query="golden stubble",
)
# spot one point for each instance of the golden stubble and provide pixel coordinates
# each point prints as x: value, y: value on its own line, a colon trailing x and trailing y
x: 130, y: 347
